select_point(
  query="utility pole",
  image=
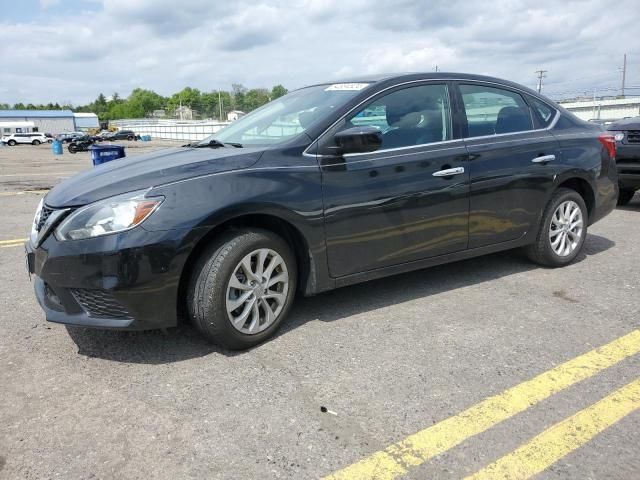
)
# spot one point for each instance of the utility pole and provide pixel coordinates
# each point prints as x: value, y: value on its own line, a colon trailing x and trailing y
x: 624, y: 74
x: 541, y: 75
x: 220, y: 104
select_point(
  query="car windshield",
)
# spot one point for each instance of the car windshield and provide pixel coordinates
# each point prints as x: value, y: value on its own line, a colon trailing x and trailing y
x: 287, y: 116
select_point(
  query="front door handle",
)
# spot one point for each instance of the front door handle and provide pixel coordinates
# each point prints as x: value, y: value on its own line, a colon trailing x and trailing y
x: 544, y: 159
x: 449, y: 172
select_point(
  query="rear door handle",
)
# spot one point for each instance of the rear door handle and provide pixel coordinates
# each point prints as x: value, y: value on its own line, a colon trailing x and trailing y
x: 544, y: 159
x: 449, y: 172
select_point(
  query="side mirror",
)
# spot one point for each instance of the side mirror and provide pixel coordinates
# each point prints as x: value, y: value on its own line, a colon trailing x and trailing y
x: 358, y: 140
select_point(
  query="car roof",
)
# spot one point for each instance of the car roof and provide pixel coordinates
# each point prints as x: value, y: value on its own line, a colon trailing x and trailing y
x: 413, y: 76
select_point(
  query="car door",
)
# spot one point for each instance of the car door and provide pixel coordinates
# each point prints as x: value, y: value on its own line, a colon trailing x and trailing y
x: 513, y: 160
x: 406, y: 201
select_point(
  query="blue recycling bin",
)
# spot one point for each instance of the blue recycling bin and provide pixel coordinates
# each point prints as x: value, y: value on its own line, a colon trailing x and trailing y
x: 56, y: 147
x: 105, y: 153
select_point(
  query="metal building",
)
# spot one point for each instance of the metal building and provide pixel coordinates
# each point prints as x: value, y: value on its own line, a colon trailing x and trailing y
x: 86, y: 121
x: 46, y: 121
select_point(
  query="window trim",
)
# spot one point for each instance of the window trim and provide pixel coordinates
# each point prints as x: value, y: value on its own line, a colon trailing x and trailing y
x: 453, y: 83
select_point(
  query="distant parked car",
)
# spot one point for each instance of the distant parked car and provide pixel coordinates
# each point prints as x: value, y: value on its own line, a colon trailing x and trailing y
x: 34, y: 138
x: 68, y: 137
x: 81, y: 144
x: 627, y: 135
x: 122, y: 135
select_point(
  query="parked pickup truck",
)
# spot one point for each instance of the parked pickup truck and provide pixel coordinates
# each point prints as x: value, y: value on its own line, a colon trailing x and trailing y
x: 627, y: 135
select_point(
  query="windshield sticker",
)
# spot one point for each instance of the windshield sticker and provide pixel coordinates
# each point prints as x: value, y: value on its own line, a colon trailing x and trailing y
x: 346, y: 86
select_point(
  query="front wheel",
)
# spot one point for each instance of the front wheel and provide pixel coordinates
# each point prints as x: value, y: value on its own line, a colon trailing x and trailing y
x: 11, y: 143
x: 562, y: 232
x: 625, y: 196
x: 242, y: 288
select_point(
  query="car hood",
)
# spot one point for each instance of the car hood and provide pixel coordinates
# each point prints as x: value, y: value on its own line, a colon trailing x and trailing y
x: 144, y: 171
x: 625, y: 124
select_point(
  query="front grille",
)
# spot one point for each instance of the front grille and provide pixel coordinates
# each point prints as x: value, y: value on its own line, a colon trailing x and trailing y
x: 633, y: 136
x: 100, y: 304
x: 44, y: 215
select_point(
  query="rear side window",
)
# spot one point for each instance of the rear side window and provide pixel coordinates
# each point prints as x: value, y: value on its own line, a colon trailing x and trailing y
x: 494, y: 111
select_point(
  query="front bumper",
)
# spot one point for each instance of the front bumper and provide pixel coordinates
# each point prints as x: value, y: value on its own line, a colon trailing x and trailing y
x: 126, y: 281
x: 628, y: 165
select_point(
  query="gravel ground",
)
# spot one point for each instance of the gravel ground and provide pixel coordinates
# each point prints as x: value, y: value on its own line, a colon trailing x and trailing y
x: 389, y: 358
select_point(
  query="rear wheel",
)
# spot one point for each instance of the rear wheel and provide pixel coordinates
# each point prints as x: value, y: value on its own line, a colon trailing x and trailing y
x: 562, y: 232
x: 36, y: 142
x: 72, y: 148
x: 626, y: 195
x: 242, y: 288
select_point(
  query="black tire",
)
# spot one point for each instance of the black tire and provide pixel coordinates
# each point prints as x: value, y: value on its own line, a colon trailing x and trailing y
x: 625, y: 196
x: 131, y: 138
x: 206, y: 295
x: 36, y: 142
x: 541, y: 251
x: 72, y: 148
x: 11, y: 143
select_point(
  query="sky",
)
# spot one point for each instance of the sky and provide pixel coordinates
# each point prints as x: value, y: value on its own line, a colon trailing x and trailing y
x: 70, y: 51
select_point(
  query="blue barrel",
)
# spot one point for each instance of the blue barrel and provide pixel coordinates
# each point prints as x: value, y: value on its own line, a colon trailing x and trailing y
x: 105, y: 153
x: 56, y: 147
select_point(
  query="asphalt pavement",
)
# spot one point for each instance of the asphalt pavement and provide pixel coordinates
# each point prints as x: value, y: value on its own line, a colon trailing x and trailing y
x: 491, y: 366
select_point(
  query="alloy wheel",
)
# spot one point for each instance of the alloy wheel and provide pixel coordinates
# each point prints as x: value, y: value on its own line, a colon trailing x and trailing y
x: 566, y: 229
x: 257, y: 291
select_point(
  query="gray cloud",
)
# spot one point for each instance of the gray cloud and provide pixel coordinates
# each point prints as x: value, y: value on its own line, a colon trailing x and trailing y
x: 164, y: 45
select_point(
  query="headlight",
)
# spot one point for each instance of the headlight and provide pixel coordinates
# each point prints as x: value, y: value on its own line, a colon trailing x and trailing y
x: 36, y: 221
x: 619, y: 136
x: 112, y: 215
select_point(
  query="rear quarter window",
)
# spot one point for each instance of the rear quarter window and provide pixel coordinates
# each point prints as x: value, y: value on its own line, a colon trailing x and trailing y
x: 543, y: 114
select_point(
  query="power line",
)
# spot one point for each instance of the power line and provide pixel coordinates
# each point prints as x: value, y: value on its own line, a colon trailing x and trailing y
x: 624, y: 73
x: 541, y: 75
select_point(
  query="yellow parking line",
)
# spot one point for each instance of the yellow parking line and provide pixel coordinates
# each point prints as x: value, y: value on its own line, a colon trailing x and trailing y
x: 11, y: 242
x: 397, y: 459
x: 51, y: 174
x: 564, y: 437
x: 36, y: 192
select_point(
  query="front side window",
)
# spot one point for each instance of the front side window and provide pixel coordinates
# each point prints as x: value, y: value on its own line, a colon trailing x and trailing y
x: 407, y: 117
x: 494, y: 111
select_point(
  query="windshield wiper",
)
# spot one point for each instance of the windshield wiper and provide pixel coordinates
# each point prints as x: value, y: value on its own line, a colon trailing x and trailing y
x: 213, y: 144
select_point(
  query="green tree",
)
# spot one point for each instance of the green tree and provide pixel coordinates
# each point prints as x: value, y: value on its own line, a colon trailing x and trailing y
x: 239, y: 92
x: 255, y: 98
x: 278, y: 91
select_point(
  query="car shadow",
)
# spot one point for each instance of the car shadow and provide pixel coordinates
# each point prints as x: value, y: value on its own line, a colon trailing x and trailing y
x: 633, y: 205
x: 184, y: 342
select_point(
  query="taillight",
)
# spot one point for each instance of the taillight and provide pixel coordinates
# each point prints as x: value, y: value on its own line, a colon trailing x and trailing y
x: 609, y: 142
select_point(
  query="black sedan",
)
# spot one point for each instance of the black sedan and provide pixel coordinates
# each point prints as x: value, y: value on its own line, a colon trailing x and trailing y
x: 330, y: 185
